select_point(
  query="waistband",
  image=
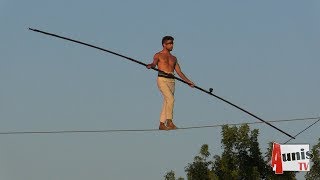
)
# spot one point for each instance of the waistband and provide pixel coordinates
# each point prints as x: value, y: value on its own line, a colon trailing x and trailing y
x: 166, y: 75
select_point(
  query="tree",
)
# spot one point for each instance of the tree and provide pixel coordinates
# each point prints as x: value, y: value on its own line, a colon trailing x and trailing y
x: 199, y: 169
x: 241, y: 158
x: 171, y: 176
x: 314, y: 172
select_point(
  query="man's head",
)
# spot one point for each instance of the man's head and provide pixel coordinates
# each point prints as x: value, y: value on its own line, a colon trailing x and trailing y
x: 167, y: 42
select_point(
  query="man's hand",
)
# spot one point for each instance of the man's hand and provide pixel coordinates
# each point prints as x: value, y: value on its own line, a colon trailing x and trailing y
x: 191, y: 84
x: 150, y: 66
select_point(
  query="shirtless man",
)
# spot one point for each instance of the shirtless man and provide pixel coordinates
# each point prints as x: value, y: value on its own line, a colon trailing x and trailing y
x: 167, y: 63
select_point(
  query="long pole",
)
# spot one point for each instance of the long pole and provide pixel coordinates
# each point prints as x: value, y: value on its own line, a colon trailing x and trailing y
x: 143, y: 64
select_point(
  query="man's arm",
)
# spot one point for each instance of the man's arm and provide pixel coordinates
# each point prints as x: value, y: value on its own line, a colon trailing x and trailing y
x: 180, y: 73
x: 155, y: 61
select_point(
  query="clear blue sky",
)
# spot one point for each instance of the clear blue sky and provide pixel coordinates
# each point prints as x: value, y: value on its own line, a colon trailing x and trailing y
x: 261, y: 55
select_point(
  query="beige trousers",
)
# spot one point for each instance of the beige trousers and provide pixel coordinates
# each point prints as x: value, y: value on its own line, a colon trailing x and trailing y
x: 166, y: 87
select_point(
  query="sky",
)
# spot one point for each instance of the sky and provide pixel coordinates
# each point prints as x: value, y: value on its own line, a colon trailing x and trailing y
x: 260, y: 55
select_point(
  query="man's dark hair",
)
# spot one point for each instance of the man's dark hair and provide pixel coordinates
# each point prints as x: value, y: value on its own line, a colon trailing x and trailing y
x: 166, y: 38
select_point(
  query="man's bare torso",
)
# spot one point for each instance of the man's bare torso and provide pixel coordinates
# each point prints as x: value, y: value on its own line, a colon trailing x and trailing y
x: 166, y: 61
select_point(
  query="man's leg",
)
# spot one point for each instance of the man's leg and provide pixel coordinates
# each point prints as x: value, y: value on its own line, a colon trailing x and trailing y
x: 170, y: 106
x: 163, y: 114
x: 163, y: 119
x: 167, y: 87
x: 169, y: 97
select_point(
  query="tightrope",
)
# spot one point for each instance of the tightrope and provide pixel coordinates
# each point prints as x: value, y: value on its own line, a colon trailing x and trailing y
x: 145, y: 130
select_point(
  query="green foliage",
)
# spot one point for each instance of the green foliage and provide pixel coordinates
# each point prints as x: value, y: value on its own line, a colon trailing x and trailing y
x: 204, y: 151
x: 170, y: 175
x: 241, y: 158
x: 200, y: 168
x: 314, y: 172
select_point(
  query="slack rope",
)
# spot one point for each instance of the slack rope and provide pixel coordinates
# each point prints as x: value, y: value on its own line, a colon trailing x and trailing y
x: 303, y: 131
x: 143, y: 64
x: 143, y: 130
x: 318, y: 119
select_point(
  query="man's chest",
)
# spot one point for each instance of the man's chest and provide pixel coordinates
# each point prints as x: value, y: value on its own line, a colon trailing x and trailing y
x: 167, y: 60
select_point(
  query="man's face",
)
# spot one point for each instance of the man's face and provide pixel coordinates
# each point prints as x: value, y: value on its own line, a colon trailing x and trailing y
x: 168, y: 45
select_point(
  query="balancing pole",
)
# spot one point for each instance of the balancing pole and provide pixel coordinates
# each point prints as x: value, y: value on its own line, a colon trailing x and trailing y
x: 179, y: 79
